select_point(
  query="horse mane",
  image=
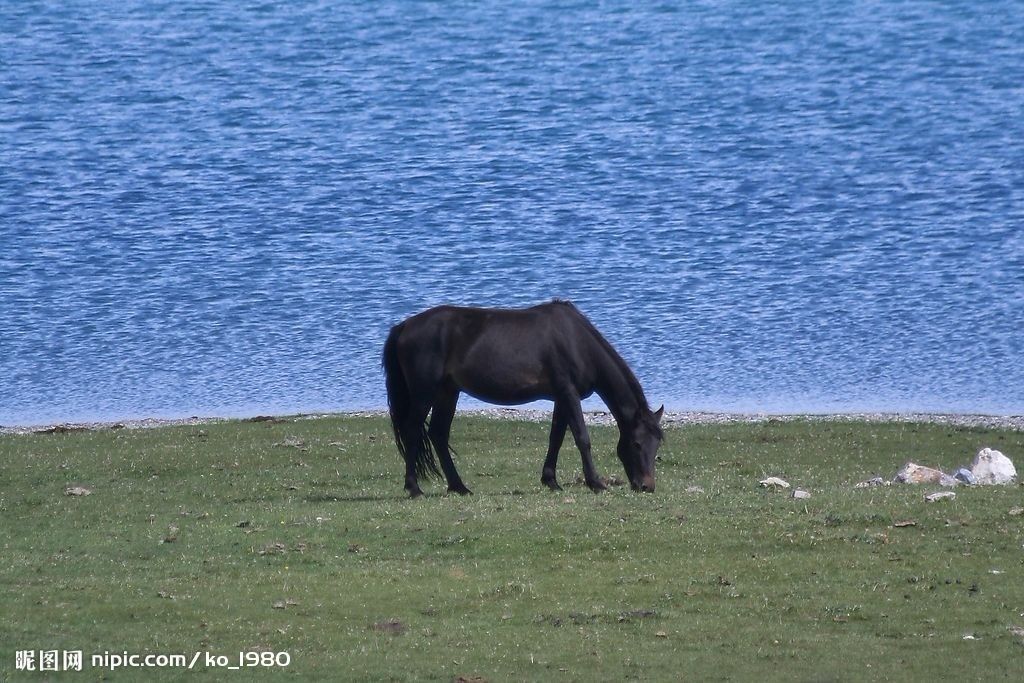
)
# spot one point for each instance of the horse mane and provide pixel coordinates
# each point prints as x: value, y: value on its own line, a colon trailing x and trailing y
x: 631, y: 381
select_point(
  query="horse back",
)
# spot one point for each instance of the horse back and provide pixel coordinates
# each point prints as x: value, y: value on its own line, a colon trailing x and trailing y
x: 499, y: 355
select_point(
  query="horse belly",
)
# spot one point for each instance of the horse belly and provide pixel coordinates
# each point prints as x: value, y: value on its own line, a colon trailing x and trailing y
x: 504, y: 384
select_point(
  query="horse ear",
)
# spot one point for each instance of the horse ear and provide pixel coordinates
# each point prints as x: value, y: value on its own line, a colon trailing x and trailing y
x: 661, y: 411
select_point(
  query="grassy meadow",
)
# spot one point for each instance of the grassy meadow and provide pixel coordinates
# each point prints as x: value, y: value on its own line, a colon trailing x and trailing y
x: 296, y: 536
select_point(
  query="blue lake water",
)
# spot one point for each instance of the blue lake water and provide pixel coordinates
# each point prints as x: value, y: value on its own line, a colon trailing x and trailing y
x: 217, y: 209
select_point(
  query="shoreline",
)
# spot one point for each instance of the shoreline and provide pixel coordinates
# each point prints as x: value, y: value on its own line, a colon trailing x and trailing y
x: 593, y: 417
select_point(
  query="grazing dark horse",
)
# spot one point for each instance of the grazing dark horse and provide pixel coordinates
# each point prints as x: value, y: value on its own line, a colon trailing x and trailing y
x: 512, y: 356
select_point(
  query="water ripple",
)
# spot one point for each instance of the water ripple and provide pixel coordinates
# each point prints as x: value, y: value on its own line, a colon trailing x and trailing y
x: 222, y: 209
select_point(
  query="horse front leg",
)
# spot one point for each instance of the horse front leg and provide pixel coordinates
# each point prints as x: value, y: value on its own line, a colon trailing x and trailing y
x: 582, y: 437
x: 555, y: 439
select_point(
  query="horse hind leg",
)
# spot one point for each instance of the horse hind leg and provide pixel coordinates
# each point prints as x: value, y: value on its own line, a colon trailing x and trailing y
x: 439, y: 431
x: 415, y: 444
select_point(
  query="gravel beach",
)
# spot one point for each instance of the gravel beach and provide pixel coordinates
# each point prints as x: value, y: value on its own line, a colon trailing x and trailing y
x: 1015, y: 422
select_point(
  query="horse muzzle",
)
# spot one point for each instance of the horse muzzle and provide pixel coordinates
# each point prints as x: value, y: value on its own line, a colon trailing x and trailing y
x: 645, y: 484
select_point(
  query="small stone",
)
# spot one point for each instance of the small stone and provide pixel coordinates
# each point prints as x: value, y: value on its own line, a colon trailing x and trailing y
x: 965, y: 476
x: 774, y: 483
x: 992, y: 467
x: 284, y: 604
x: 801, y: 494
x: 77, y: 491
x: 1017, y: 511
x: 694, y: 489
x: 873, y: 481
x: 941, y: 495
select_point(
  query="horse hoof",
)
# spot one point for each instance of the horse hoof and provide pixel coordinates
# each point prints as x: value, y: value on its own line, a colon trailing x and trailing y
x: 597, y: 487
x: 551, y: 484
x: 416, y: 493
x: 462, y: 492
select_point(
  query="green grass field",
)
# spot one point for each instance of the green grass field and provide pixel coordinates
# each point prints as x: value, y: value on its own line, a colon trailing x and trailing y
x: 297, y: 537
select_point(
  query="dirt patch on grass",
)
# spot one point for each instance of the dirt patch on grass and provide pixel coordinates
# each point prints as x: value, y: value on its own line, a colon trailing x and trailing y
x: 391, y: 626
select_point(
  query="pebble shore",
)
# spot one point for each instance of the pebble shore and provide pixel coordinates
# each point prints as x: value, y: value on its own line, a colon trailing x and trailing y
x: 1015, y: 422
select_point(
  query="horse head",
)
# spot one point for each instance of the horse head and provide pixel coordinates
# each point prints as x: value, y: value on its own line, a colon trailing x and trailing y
x: 638, y: 446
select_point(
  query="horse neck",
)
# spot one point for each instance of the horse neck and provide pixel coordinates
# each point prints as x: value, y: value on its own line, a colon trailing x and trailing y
x: 619, y: 389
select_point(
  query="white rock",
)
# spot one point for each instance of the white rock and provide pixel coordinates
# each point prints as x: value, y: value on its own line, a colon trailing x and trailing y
x: 774, y: 483
x: 873, y: 481
x: 800, y: 493
x: 992, y: 467
x: 941, y: 495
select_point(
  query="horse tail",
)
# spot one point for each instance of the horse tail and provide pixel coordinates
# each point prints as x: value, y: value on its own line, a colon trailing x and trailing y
x: 400, y: 406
